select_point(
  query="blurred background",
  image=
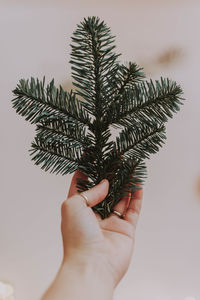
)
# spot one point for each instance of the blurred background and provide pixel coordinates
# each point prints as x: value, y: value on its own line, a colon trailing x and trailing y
x: 161, y: 36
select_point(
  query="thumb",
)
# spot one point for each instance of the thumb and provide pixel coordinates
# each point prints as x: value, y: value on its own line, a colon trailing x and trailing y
x: 79, y: 223
x: 97, y: 193
x: 94, y: 195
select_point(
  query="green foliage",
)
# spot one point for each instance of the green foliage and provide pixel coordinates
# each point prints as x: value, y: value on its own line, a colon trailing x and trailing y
x: 73, y: 129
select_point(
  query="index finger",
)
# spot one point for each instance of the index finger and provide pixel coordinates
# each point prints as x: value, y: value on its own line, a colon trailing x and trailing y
x: 134, y: 208
x: 73, y: 189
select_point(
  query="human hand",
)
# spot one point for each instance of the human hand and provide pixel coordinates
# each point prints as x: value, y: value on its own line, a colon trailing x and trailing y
x: 87, y: 239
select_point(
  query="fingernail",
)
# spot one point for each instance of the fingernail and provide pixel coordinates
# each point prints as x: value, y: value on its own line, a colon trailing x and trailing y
x: 102, y: 181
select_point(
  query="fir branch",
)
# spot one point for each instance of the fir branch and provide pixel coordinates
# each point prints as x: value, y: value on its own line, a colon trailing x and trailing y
x: 134, y: 143
x: 127, y: 77
x: 146, y: 102
x: 122, y: 79
x: 73, y: 134
x: 38, y: 103
x: 139, y: 142
x: 92, y: 61
x: 54, y: 157
x: 57, y: 130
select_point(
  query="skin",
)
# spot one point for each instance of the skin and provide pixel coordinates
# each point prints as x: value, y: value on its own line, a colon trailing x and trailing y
x: 96, y: 252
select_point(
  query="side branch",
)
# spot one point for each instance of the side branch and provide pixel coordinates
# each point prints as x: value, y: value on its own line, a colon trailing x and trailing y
x: 38, y: 104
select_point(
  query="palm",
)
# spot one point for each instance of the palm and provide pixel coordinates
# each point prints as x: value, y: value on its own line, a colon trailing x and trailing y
x: 119, y: 241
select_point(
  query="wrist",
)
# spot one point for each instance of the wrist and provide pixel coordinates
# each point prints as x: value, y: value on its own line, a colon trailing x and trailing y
x: 88, y: 279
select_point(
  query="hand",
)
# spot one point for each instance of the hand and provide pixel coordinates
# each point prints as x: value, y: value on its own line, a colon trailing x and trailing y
x: 97, y: 252
x: 87, y: 239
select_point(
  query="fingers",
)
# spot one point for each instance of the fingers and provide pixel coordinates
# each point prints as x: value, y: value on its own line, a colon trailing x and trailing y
x: 97, y: 193
x: 134, y: 208
x: 122, y: 205
x: 73, y: 189
x: 94, y: 195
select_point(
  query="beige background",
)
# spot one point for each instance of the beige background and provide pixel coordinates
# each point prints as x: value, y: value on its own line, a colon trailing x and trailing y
x: 34, y: 41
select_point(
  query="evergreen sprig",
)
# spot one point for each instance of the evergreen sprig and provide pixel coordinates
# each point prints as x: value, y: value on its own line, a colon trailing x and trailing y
x: 73, y: 129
